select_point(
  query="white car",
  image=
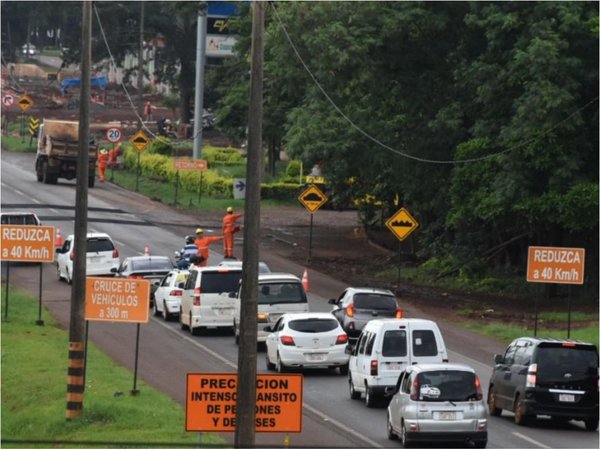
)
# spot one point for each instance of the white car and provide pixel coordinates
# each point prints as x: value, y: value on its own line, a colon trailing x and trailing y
x: 29, y: 50
x: 167, y: 297
x: 19, y: 218
x: 102, y: 256
x: 306, y: 340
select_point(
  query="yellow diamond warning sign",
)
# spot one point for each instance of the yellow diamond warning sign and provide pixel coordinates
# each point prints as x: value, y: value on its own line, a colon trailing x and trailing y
x: 402, y: 224
x: 312, y: 198
x: 25, y: 103
x: 140, y: 140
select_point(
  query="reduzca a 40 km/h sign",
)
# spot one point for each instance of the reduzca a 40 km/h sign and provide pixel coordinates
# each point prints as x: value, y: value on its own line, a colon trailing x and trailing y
x: 561, y: 265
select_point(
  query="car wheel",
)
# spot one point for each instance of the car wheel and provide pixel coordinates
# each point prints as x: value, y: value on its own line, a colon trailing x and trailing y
x: 60, y: 277
x: 344, y: 369
x: 591, y: 424
x: 406, y: 443
x: 370, y: 399
x: 520, y: 417
x: 194, y: 331
x: 281, y: 368
x: 166, y: 314
x: 181, y: 324
x: 354, y: 394
x: 494, y: 410
x: 236, y: 333
x: 155, y: 310
x: 69, y: 279
x: 270, y: 365
x: 390, y: 431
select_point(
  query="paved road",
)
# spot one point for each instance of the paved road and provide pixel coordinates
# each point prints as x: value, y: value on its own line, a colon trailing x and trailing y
x: 167, y: 354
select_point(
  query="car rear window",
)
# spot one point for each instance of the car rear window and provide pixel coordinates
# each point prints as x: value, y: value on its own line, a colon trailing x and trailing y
x: 555, y: 359
x: 394, y: 343
x: 151, y: 264
x: 218, y: 282
x: 19, y: 219
x: 313, y: 325
x: 274, y: 293
x: 375, y: 301
x: 447, y: 385
x: 99, y: 245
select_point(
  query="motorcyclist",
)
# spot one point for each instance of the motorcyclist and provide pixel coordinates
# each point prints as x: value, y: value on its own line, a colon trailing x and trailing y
x: 188, y: 253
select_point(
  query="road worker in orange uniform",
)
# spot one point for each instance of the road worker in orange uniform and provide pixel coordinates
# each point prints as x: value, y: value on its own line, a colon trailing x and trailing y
x: 229, y: 228
x: 112, y: 155
x: 102, y: 163
x: 202, y: 242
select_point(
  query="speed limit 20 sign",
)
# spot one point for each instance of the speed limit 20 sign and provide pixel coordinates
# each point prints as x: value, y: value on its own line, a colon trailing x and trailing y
x: 114, y: 134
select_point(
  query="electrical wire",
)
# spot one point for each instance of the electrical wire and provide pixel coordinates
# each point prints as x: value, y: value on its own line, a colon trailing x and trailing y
x: 398, y: 152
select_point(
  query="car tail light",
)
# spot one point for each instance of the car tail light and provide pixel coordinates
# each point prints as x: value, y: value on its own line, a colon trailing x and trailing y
x: 115, y: 253
x: 482, y: 424
x: 399, y: 314
x: 568, y: 344
x: 196, y: 296
x: 287, y: 340
x: 478, y: 388
x: 374, y: 367
x: 176, y: 293
x: 341, y: 339
x: 350, y: 311
x: 531, y: 376
x: 72, y: 256
x: 414, y: 389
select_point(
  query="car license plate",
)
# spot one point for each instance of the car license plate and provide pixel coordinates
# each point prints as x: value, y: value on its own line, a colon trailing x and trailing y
x: 444, y: 415
x: 315, y: 357
x: 223, y: 311
x: 566, y: 397
x: 393, y: 366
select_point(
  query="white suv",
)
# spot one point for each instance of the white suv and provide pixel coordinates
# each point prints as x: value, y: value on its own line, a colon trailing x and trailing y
x: 102, y: 256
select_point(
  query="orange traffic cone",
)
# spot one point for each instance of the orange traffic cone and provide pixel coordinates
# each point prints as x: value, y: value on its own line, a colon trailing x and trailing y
x: 58, y: 242
x: 146, y: 250
x: 305, y: 280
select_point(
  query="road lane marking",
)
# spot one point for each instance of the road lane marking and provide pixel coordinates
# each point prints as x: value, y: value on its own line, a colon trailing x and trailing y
x: 18, y: 192
x: 120, y: 243
x: 312, y: 409
x: 533, y: 441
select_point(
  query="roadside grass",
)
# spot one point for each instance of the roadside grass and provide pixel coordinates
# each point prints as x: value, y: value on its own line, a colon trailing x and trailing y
x: 507, y: 332
x: 18, y: 143
x: 34, y: 378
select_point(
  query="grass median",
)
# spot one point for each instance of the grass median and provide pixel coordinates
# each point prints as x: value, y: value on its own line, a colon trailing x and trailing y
x: 34, y: 379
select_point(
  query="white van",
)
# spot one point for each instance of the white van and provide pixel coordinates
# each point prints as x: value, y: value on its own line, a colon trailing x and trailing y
x: 278, y: 293
x: 385, y: 348
x: 208, y: 298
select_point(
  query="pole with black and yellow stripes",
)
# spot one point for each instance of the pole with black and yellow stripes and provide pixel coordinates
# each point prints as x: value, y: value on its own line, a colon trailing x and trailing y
x: 76, y: 366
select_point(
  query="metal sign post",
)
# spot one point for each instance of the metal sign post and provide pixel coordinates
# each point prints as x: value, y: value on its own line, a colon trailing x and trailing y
x: 402, y: 224
x: 176, y: 186
x: 40, y: 321
x: 135, y: 391
x: 312, y: 199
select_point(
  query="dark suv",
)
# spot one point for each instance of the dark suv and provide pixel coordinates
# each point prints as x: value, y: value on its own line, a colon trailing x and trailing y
x: 545, y: 376
x: 356, y: 306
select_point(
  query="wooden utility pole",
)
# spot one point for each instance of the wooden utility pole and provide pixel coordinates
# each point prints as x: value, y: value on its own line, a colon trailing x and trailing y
x: 246, y: 389
x: 140, y: 75
x: 76, y: 368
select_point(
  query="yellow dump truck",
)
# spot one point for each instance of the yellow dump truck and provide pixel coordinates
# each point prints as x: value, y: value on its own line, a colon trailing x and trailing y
x: 57, y: 151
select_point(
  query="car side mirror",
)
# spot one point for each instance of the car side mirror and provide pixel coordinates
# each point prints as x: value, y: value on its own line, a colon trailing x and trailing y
x: 332, y: 301
x: 268, y: 329
x: 58, y: 250
x: 498, y: 359
x: 156, y: 283
x: 181, y: 285
x: 349, y: 350
x: 114, y: 270
x: 232, y: 294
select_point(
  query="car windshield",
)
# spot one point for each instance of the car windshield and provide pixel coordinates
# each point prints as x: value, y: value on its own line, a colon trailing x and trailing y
x: 218, y: 282
x: 447, y: 385
x: 99, y: 245
x: 554, y: 360
x: 394, y: 343
x: 313, y: 325
x: 375, y: 301
x: 285, y: 292
x: 151, y: 264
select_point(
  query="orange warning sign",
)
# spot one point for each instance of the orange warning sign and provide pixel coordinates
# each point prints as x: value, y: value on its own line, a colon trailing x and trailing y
x: 117, y: 299
x: 27, y: 243
x: 211, y: 402
x: 561, y: 265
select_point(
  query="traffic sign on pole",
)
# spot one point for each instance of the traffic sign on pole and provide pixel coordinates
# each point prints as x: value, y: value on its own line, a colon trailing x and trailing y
x: 402, y: 224
x: 140, y: 141
x: 117, y: 299
x: 27, y: 243
x: 25, y: 103
x: 312, y: 198
x: 114, y: 135
x: 560, y: 265
x: 8, y: 100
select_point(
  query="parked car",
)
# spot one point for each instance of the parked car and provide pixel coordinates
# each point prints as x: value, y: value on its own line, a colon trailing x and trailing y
x: 544, y: 376
x: 102, y: 257
x: 278, y: 293
x: 167, y: 297
x: 148, y: 267
x: 442, y: 403
x: 208, y: 298
x: 29, y: 50
x: 303, y: 340
x: 356, y: 306
x: 19, y: 218
x: 262, y: 266
x: 385, y: 348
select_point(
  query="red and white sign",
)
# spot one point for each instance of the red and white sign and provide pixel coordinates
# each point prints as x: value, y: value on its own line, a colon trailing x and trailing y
x: 190, y: 164
x: 8, y: 100
x: 114, y: 135
x: 561, y: 265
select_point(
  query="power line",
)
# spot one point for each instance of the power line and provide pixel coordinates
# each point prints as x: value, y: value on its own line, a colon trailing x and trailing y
x: 398, y: 152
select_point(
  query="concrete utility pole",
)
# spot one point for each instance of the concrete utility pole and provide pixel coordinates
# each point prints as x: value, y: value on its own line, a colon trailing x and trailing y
x: 246, y: 390
x: 140, y: 74
x: 75, y: 379
x: 199, y: 96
